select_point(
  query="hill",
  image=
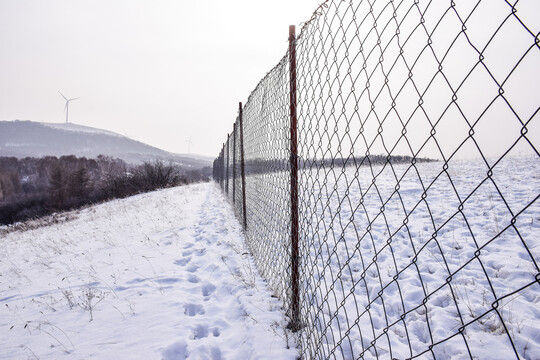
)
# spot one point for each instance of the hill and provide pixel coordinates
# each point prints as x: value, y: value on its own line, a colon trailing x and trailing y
x: 28, y: 138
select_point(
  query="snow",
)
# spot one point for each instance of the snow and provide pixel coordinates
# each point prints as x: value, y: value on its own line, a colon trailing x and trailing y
x: 159, y: 275
x: 166, y: 274
x: 434, y: 261
x: 80, y: 128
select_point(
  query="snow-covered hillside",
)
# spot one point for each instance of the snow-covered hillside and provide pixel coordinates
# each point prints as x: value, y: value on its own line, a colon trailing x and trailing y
x: 159, y: 275
x: 79, y: 128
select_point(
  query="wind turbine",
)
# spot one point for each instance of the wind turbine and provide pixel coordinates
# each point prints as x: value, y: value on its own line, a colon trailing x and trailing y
x: 67, y: 104
x: 189, y: 142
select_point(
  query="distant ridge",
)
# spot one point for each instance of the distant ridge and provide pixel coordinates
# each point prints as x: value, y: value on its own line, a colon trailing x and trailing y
x: 79, y: 128
x: 28, y: 138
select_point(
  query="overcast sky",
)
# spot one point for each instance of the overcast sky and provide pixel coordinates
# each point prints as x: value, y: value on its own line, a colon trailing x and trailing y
x: 158, y: 71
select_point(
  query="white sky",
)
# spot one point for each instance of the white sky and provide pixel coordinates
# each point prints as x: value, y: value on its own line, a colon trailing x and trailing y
x: 159, y: 71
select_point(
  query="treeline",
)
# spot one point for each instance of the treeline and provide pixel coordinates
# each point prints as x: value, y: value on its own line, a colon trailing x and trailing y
x: 265, y: 166
x: 34, y: 187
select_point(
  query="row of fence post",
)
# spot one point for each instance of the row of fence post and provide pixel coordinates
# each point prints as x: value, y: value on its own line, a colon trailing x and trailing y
x: 222, y: 174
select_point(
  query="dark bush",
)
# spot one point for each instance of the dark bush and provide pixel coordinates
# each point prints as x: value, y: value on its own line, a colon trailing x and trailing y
x: 33, y: 187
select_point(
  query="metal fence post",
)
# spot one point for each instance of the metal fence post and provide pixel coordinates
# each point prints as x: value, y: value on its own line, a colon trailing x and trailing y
x: 295, y: 306
x: 227, y: 175
x: 242, y: 164
x: 222, y: 168
x: 234, y: 165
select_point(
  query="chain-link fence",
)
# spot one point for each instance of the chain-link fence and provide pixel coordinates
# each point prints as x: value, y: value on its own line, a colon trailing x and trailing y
x: 387, y: 174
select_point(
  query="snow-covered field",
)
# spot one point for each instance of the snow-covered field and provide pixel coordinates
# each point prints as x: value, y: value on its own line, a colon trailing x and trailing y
x: 402, y: 271
x: 396, y: 270
x: 163, y: 275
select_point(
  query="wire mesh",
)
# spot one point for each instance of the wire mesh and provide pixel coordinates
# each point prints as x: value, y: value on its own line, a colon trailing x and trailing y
x: 418, y: 190
x: 237, y: 196
x: 266, y: 141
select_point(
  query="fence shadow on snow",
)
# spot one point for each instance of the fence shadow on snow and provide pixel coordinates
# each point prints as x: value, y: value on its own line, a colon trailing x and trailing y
x: 387, y: 176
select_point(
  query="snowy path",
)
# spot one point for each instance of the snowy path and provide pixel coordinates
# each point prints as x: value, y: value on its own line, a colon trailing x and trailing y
x: 160, y: 275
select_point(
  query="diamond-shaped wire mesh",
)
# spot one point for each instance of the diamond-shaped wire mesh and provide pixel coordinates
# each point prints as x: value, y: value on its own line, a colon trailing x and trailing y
x: 266, y: 159
x: 419, y: 212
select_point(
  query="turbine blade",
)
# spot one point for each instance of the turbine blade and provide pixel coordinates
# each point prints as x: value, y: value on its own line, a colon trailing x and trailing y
x: 63, y: 96
x: 73, y: 99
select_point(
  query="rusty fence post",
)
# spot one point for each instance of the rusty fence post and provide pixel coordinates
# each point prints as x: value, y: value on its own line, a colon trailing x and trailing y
x: 242, y: 163
x: 295, y: 306
x: 234, y: 165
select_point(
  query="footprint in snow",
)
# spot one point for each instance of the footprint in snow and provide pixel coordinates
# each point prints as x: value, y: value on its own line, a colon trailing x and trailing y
x: 200, y: 252
x: 168, y: 280
x: 208, y: 289
x: 204, y: 352
x: 136, y: 281
x: 202, y: 331
x: 183, y: 262
x: 200, y: 237
x: 193, y: 309
x: 176, y: 351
